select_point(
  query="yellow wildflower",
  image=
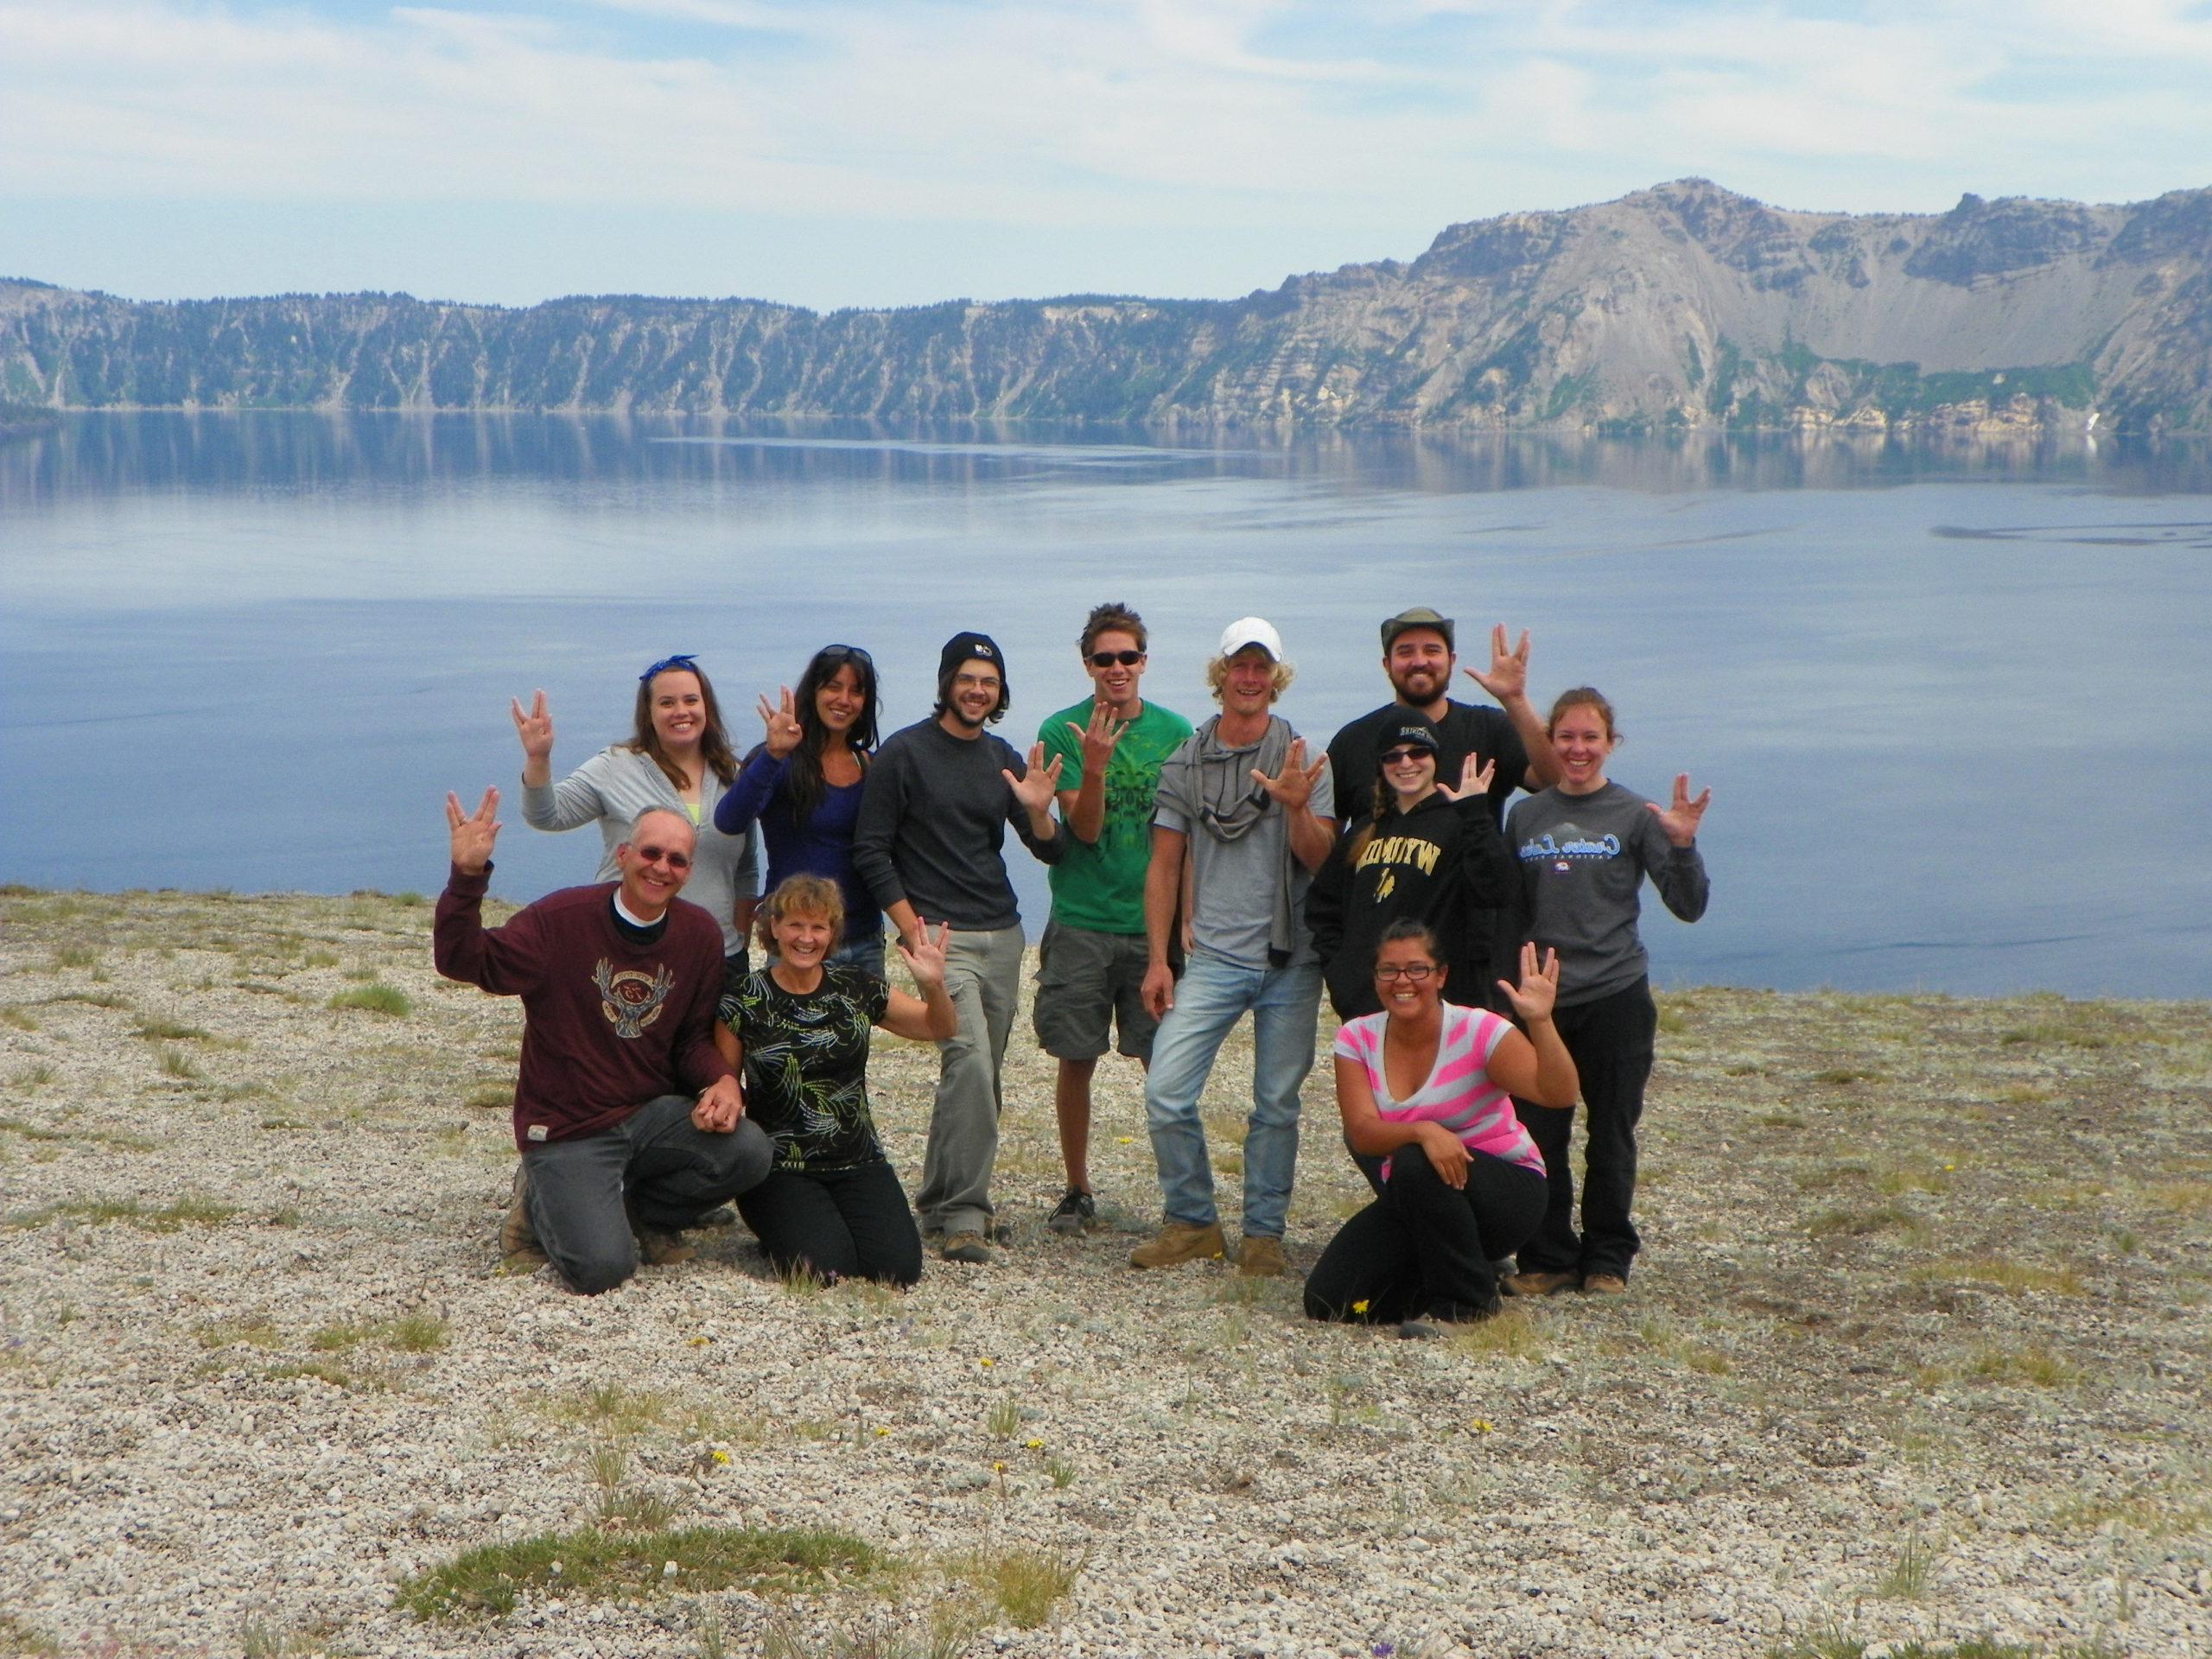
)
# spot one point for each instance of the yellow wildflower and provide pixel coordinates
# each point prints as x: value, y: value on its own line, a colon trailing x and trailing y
x: 720, y: 1456
x: 1483, y: 1426
x: 1360, y: 1306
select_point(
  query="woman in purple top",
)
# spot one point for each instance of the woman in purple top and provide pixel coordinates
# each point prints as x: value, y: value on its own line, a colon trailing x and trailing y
x: 803, y: 786
x: 1427, y: 1081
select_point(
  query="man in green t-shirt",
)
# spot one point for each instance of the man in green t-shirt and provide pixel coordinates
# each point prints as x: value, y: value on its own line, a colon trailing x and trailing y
x: 1091, y: 964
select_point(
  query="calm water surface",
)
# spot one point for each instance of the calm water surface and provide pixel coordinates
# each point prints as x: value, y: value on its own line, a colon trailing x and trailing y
x: 1928, y: 691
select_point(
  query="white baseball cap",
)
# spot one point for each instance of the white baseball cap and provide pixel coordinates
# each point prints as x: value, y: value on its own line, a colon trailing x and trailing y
x: 1251, y: 631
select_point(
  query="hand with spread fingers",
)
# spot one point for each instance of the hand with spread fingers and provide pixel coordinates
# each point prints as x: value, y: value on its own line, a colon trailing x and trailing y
x: 1475, y: 778
x: 1508, y: 678
x: 474, y: 832
x: 781, y: 718
x: 1293, y: 787
x: 1681, y: 819
x: 1035, y: 789
x: 535, y: 729
x: 1534, y: 998
x: 925, y: 955
x: 1099, y: 739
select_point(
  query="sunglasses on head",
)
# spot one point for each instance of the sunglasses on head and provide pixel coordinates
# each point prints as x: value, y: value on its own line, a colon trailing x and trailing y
x: 1399, y: 756
x: 690, y: 665
x: 667, y: 855
x: 1108, y: 658
x: 845, y: 654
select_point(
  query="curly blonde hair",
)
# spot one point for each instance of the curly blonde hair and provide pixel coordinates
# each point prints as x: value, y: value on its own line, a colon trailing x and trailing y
x: 799, y: 895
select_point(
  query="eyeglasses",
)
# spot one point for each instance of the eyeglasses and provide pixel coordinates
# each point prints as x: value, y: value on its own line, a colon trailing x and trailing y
x: 667, y: 855
x: 1398, y: 757
x: 688, y: 663
x: 1108, y: 658
x: 844, y: 654
x: 1416, y: 971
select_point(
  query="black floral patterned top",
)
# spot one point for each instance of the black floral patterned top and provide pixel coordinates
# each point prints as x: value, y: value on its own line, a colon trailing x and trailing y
x: 806, y: 1065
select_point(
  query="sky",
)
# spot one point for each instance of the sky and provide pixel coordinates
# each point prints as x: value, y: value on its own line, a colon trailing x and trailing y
x: 864, y: 153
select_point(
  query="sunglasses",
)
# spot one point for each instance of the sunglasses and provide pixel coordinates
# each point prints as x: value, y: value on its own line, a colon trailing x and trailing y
x: 688, y: 663
x: 1108, y: 658
x: 1398, y: 757
x: 844, y: 654
x: 1416, y: 971
x: 667, y: 855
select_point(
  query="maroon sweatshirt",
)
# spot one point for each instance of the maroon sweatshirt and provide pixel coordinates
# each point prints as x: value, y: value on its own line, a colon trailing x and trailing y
x: 608, y: 1025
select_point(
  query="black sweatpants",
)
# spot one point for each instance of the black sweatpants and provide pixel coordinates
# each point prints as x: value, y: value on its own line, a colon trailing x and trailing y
x: 836, y: 1224
x: 1424, y: 1247
x: 1611, y: 1041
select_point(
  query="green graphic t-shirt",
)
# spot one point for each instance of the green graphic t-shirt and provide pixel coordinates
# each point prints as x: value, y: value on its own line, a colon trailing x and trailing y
x: 1102, y: 888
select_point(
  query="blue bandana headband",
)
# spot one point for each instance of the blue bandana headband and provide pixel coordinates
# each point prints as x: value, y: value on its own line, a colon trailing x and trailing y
x: 690, y: 665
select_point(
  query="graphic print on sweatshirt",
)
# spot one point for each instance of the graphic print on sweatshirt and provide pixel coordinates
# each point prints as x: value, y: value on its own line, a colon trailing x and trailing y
x: 631, y: 999
x: 1403, y: 851
x: 1567, y: 846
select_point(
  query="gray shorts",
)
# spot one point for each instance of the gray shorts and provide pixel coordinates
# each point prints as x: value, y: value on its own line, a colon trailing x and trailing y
x: 1087, y: 983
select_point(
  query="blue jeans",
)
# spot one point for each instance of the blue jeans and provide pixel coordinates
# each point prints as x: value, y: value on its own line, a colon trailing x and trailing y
x: 864, y: 952
x: 1210, y: 998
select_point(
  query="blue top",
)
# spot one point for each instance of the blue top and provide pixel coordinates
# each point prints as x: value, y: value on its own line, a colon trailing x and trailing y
x: 821, y: 846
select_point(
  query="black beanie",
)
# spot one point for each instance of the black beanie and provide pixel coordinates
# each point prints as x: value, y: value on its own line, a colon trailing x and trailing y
x: 964, y: 646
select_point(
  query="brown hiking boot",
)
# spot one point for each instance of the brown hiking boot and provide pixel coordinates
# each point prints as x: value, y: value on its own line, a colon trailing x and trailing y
x: 968, y: 1245
x: 1181, y: 1241
x: 1604, y: 1284
x: 518, y: 1252
x: 658, y: 1250
x: 1261, y: 1257
x: 1537, y: 1284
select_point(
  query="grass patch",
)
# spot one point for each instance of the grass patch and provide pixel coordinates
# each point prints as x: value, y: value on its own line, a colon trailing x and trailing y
x: 606, y: 1565
x: 1026, y: 1584
x: 37, y: 1075
x: 1004, y: 1421
x: 185, y: 1212
x: 1512, y: 1334
x: 254, y: 1332
x: 1663, y: 1340
x: 2036, y: 1366
x: 2184, y: 1198
x: 163, y: 1030
x: 16, y: 1019
x: 491, y: 1097
x: 1909, y: 1575
x: 176, y: 1063
x: 2050, y: 1032
x: 1846, y: 1074
x: 2003, y: 1273
x: 374, y: 998
x: 320, y: 958
x: 66, y: 1137
x: 413, y: 1333
x: 1858, y: 1224
x: 609, y: 1408
x: 76, y: 955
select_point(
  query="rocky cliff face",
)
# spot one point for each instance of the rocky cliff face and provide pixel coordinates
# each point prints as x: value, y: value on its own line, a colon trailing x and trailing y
x: 1681, y: 306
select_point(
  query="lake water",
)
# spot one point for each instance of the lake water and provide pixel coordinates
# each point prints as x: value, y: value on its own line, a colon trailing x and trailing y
x: 254, y: 650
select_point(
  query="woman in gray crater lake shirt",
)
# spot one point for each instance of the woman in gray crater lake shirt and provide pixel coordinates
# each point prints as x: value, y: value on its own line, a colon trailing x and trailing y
x: 678, y: 757
x: 1585, y: 846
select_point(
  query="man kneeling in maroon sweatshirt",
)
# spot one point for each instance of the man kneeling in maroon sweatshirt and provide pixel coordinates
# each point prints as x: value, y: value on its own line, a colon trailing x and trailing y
x: 630, y: 1123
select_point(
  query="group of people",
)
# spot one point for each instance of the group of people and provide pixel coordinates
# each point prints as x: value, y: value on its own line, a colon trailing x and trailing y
x: 1481, y: 953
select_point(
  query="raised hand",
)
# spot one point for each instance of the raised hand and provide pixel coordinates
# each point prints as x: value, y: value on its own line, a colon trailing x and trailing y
x: 534, y: 728
x: 1508, y: 670
x: 1680, y: 820
x: 781, y: 718
x: 1099, y: 738
x: 1035, y: 789
x: 1293, y: 787
x: 925, y: 956
x: 474, y: 832
x: 1474, y: 780
x: 1534, y: 997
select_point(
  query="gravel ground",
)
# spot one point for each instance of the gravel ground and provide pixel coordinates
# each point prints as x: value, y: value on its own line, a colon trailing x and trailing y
x: 1916, y: 1350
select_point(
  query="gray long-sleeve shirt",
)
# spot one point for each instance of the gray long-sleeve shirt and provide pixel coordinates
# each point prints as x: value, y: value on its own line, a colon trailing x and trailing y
x: 1583, y: 859
x: 932, y: 825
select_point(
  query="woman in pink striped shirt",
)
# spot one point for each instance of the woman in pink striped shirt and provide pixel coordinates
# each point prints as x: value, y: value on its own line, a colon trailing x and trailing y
x: 1430, y: 1083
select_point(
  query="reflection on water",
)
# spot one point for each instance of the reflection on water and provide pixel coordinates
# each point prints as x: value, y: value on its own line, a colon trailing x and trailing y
x: 1934, y: 689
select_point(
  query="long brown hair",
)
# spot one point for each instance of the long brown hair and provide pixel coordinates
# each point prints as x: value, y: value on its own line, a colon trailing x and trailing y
x: 714, y: 741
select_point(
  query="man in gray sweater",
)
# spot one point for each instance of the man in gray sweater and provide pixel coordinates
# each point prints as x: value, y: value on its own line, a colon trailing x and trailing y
x: 932, y: 825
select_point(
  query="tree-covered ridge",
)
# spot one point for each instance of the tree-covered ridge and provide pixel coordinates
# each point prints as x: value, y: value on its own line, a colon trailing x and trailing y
x: 1682, y: 306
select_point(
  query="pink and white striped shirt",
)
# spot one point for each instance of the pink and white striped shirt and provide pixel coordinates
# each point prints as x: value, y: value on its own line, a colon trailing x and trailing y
x: 1459, y: 1093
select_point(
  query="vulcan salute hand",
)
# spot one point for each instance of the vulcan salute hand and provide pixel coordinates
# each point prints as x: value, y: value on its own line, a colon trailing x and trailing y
x: 1532, y: 998
x: 1035, y: 790
x: 1508, y: 670
x: 782, y: 722
x: 1680, y: 820
x: 535, y: 729
x: 1474, y: 783
x: 1099, y: 738
x: 474, y: 832
x: 1293, y: 787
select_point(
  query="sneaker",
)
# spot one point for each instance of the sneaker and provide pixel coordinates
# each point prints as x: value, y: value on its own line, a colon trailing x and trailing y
x: 518, y: 1248
x: 1261, y: 1257
x: 1537, y: 1284
x: 1605, y: 1284
x: 658, y: 1250
x: 1078, y: 1213
x: 968, y: 1246
x: 1181, y: 1241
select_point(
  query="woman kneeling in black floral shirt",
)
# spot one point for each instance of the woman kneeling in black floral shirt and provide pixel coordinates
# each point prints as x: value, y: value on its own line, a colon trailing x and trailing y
x: 832, y: 1206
